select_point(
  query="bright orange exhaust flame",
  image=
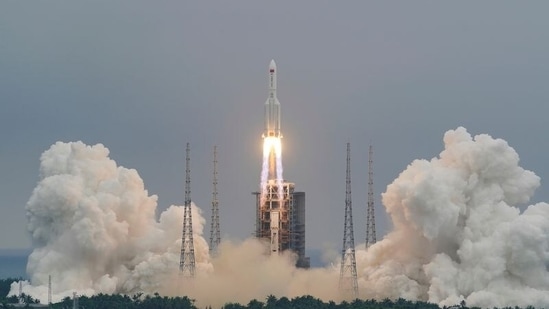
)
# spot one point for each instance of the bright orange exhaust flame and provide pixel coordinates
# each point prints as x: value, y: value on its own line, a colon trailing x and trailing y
x: 272, y: 146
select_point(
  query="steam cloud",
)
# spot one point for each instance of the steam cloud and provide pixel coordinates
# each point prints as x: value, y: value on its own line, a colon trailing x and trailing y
x: 458, y: 235
x: 94, y: 230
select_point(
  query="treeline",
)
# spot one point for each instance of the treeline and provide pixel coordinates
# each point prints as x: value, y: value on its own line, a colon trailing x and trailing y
x: 5, y: 286
x: 309, y: 302
x: 119, y: 301
x: 140, y: 301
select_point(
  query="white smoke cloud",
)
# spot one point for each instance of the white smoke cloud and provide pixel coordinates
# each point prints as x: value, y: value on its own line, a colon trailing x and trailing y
x: 458, y: 235
x: 94, y: 229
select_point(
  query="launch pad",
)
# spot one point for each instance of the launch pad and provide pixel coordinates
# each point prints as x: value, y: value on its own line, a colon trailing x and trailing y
x: 280, y: 220
x: 280, y: 211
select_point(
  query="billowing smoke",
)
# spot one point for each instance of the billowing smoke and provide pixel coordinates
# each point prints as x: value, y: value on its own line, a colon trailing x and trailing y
x: 458, y: 235
x: 94, y: 229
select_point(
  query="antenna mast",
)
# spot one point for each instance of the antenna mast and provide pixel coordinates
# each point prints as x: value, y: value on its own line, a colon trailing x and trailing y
x: 215, y: 234
x: 348, y: 285
x: 49, y: 290
x: 370, y: 217
x: 186, y: 262
x: 74, y: 300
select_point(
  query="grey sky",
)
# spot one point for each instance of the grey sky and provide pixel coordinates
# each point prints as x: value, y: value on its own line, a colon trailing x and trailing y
x: 145, y: 77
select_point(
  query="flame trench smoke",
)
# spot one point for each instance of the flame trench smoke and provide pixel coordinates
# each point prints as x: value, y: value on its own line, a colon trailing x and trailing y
x: 94, y: 230
x: 458, y: 235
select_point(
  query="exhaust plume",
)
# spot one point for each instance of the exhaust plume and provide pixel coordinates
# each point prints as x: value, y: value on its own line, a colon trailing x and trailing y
x: 94, y: 229
x: 458, y: 235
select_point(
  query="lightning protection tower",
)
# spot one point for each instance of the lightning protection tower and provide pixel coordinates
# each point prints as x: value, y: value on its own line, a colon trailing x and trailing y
x: 370, y: 216
x: 348, y: 285
x: 49, y: 291
x: 74, y: 300
x: 215, y: 234
x: 186, y: 262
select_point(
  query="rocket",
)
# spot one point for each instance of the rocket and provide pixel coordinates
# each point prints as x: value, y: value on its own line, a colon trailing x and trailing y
x: 272, y: 106
x: 271, y: 174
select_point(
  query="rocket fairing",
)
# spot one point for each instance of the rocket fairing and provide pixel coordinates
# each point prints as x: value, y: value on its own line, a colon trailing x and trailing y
x: 272, y: 106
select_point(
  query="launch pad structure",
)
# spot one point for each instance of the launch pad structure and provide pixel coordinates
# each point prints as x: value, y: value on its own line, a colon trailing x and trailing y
x: 280, y: 220
x: 280, y: 210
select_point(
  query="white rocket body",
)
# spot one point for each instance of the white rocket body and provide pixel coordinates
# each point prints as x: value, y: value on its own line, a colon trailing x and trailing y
x: 272, y: 106
x: 274, y: 175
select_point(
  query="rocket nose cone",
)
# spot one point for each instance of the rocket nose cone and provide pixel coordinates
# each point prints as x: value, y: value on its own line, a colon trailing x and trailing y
x: 272, y: 65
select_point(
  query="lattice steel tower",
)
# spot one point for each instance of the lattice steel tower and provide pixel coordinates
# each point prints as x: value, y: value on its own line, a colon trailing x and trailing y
x: 186, y: 262
x: 49, y: 291
x: 215, y: 234
x: 348, y: 285
x: 370, y: 216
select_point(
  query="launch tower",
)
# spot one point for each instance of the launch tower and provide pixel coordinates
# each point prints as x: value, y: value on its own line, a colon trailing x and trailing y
x: 187, y: 258
x: 280, y: 210
x: 215, y: 233
x: 370, y: 214
x: 348, y: 285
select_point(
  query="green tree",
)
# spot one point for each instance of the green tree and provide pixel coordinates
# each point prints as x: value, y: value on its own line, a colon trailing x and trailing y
x: 283, y: 303
x: 270, y: 302
x: 233, y: 306
x: 5, y: 287
x: 158, y: 302
x: 307, y: 302
x: 255, y: 304
x: 27, y: 299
